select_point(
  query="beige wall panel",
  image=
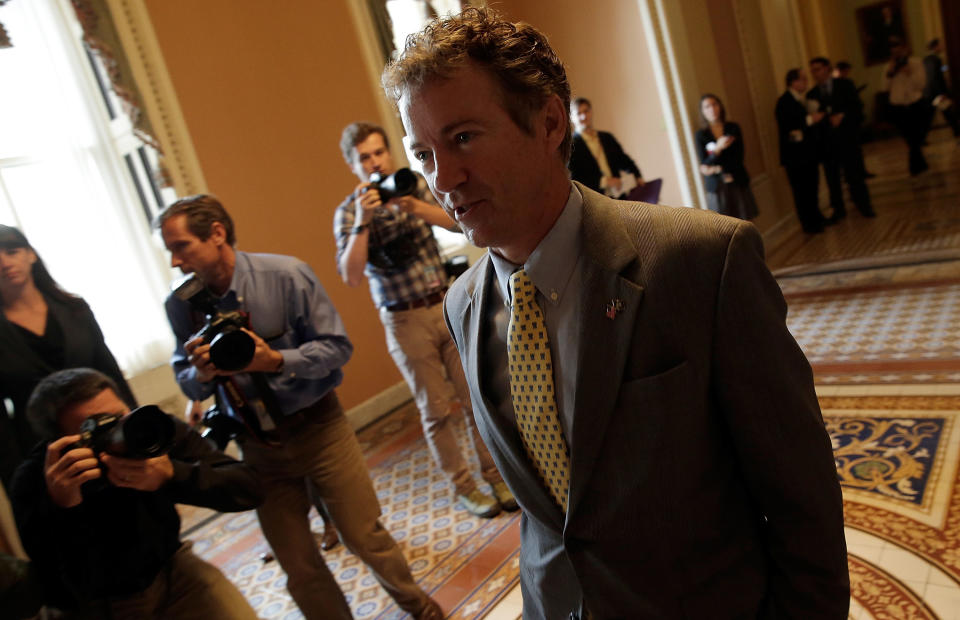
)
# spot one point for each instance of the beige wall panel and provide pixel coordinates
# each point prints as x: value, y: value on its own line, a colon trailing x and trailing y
x: 265, y: 90
x: 603, y: 48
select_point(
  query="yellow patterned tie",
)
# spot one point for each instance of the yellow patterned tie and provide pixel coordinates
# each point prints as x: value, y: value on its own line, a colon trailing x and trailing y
x: 531, y: 388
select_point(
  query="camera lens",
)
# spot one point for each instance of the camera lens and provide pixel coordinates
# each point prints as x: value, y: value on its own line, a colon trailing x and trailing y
x: 231, y: 350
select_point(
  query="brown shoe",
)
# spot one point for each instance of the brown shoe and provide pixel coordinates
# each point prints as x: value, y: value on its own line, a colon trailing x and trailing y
x: 430, y: 611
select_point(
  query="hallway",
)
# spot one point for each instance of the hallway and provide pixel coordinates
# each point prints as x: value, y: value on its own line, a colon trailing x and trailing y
x: 875, y: 304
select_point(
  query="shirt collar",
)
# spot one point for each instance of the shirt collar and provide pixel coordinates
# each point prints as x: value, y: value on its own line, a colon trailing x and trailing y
x: 798, y: 96
x: 552, y: 262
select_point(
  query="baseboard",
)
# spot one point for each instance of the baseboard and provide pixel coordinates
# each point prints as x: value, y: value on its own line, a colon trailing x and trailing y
x: 379, y: 405
x: 776, y: 235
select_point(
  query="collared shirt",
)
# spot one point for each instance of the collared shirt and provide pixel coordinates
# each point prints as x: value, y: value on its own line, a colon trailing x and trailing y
x: 290, y: 310
x: 905, y: 88
x: 555, y: 267
x: 404, y: 261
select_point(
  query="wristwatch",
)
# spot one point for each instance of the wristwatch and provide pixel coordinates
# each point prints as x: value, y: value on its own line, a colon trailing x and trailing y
x: 359, y: 228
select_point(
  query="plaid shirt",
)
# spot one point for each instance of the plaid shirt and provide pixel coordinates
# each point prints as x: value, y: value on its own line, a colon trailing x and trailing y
x: 422, y: 275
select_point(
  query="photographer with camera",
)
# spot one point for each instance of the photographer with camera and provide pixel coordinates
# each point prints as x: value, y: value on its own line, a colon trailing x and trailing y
x: 94, y: 504
x: 904, y: 79
x: 383, y: 231
x: 281, y: 393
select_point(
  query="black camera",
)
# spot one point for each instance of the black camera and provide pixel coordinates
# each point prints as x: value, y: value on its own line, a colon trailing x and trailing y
x: 403, y: 182
x: 231, y: 348
x: 221, y: 427
x: 144, y: 433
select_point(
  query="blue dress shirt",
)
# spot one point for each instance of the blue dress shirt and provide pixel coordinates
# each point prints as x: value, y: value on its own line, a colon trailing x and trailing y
x: 290, y: 310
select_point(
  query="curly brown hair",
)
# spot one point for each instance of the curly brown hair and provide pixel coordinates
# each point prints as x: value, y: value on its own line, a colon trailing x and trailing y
x: 516, y: 54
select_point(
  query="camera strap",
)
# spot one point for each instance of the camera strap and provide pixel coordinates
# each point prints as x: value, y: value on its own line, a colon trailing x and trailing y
x: 252, y: 412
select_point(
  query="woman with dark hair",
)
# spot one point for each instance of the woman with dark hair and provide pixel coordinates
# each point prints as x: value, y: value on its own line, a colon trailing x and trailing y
x: 720, y: 146
x: 42, y: 329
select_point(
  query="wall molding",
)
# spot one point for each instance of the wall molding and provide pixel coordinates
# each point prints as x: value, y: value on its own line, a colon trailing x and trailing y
x: 379, y: 405
x: 142, y: 48
x: 660, y: 30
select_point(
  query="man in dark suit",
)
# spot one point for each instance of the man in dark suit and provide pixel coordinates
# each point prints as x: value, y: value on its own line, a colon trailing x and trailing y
x: 653, y: 416
x: 936, y: 92
x: 597, y: 159
x: 798, y: 154
x: 838, y: 137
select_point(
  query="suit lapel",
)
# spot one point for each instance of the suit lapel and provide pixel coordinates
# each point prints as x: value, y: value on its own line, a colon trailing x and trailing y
x: 605, y: 341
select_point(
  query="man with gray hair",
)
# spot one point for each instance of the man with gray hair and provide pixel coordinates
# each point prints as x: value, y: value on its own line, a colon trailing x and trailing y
x: 630, y: 367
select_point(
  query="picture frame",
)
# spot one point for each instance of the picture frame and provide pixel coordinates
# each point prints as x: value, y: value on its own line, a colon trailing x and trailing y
x: 876, y: 23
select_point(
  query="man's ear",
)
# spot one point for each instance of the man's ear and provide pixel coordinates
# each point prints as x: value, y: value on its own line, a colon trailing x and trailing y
x: 218, y: 233
x: 556, y: 119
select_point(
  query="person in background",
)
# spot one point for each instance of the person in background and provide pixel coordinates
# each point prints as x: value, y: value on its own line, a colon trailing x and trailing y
x: 597, y: 160
x: 42, y: 329
x: 936, y: 92
x: 798, y: 153
x: 844, y: 70
x: 720, y: 147
x: 905, y: 79
x: 390, y: 244
x: 838, y: 137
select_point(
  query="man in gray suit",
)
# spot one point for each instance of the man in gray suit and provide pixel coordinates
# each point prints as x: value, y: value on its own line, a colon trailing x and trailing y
x: 672, y: 461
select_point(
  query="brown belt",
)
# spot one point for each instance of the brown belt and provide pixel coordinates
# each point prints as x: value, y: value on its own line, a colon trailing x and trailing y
x: 312, y: 414
x: 430, y: 300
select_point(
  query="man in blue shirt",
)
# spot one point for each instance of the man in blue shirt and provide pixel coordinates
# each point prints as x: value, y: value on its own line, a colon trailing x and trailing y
x: 299, y: 430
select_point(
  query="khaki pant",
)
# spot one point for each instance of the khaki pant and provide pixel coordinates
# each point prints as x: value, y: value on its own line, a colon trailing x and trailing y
x: 187, y: 589
x: 325, y: 450
x: 425, y: 353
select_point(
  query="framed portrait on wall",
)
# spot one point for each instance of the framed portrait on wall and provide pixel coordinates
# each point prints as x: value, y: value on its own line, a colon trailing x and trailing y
x: 876, y: 23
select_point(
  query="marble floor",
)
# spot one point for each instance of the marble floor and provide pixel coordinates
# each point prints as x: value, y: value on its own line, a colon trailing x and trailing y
x: 875, y: 304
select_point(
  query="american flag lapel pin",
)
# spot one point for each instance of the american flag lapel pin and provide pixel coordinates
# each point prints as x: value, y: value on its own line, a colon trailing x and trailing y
x: 613, y: 307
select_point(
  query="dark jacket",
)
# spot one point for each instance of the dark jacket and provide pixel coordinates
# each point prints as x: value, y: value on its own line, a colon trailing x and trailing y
x: 21, y: 368
x: 585, y: 169
x: 746, y: 520
x: 936, y: 83
x: 730, y: 158
x: 842, y: 98
x: 792, y: 116
x: 116, y: 541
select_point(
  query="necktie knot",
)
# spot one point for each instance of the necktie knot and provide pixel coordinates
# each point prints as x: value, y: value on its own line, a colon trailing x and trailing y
x: 521, y: 287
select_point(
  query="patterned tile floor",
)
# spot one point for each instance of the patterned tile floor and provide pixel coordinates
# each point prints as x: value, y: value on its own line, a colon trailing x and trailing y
x: 876, y: 307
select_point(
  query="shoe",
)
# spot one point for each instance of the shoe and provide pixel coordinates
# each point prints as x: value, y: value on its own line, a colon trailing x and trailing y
x: 869, y: 175
x: 430, y: 611
x: 502, y: 492
x: 330, y: 538
x: 868, y: 212
x: 837, y: 216
x: 480, y: 504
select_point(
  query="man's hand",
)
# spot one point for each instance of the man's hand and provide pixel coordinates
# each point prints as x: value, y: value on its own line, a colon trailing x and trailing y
x: 707, y: 170
x: 816, y: 116
x: 143, y: 475
x: 65, y: 474
x: 264, y: 359
x: 611, y: 182
x: 366, y: 202
x: 198, y: 354
x: 836, y: 119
